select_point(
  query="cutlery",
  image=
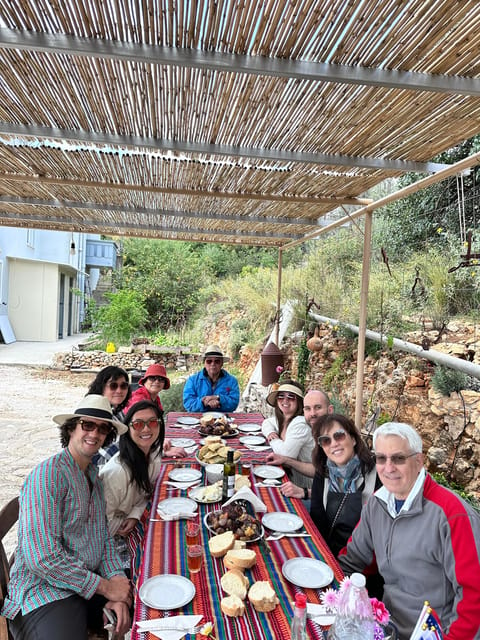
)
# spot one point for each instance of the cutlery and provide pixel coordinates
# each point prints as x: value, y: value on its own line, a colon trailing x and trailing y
x: 190, y: 630
x: 167, y: 517
x: 182, y: 485
x: 276, y: 535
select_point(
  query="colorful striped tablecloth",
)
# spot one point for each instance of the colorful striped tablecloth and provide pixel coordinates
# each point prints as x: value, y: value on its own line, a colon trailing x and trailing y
x: 165, y: 553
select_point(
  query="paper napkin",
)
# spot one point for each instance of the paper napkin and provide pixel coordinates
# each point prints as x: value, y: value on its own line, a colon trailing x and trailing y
x: 162, y: 627
x: 247, y: 494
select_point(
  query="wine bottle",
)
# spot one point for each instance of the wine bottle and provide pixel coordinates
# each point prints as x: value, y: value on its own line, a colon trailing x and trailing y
x: 228, y: 477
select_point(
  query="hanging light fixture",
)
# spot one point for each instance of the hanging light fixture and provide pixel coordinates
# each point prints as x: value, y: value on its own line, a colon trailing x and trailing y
x: 72, y: 246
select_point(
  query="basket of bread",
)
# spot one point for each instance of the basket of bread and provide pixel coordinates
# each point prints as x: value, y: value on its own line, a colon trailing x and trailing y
x: 213, y: 425
x: 215, y: 452
x: 234, y: 519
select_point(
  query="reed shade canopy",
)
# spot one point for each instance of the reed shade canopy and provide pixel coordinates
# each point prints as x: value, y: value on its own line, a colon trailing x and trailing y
x: 235, y: 122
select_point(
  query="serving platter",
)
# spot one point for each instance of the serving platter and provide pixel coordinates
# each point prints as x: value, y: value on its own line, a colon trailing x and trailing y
x: 308, y: 573
x: 167, y: 591
x: 211, y: 514
x: 196, y: 494
x: 231, y: 434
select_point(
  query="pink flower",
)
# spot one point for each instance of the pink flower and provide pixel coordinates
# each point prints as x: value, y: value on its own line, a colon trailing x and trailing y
x: 380, y: 612
x: 329, y: 598
x: 345, y: 583
x: 279, y: 369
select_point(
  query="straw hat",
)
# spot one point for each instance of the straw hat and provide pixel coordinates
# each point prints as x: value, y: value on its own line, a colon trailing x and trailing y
x: 214, y: 351
x: 156, y: 370
x: 289, y: 388
x: 93, y: 406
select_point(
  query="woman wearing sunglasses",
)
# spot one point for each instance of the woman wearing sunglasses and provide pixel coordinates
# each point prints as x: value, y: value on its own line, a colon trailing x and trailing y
x: 345, y: 477
x: 129, y: 477
x: 287, y: 432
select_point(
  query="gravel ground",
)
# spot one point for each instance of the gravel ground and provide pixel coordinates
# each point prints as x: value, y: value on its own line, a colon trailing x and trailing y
x: 30, y: 397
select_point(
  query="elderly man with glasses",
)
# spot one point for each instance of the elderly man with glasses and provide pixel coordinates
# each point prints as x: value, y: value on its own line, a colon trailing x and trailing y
x: 66, y: 569
x: 212, y: 388
x: 424, y: 538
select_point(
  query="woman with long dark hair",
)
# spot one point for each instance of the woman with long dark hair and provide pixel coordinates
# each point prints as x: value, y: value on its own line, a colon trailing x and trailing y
x: 129, y: 477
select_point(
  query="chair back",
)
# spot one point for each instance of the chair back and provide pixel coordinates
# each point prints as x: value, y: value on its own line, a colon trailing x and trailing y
x: 8, y: 518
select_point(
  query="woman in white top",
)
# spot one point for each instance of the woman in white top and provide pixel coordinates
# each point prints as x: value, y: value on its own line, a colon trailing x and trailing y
x: 129, y: 477
x: 287, y: 432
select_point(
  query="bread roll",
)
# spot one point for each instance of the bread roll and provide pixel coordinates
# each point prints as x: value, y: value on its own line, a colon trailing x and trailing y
x: 239, y: 544
x: 240, y: 559
x: 262, y: 596
x: 232, y: 606
x: 235, y: 583
x: 220, y: 544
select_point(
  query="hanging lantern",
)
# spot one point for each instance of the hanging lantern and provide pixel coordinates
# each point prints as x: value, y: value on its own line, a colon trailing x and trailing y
x: 271, y: 358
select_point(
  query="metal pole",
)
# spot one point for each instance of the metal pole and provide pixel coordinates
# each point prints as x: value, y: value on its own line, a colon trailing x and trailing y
x: 279, y: 289
x: 362, y: 324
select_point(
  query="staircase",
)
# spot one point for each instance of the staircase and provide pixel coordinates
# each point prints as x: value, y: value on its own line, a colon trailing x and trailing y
x: 104, y: 285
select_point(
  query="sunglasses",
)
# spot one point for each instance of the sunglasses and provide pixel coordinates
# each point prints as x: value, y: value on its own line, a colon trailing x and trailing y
x: 213, y: 361
x: 115, y: 385
x: 103, y: 429
x: 338, y: 436
x: 139, y: 425
x: 396, y: 458
x: 286, y: 396
x: 156, y: 378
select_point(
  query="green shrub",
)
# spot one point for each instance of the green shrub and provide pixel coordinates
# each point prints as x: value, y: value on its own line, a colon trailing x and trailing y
x: 454, y: 486
x: 446, y: 381
x: 122, y: 318
x: 172, y: 399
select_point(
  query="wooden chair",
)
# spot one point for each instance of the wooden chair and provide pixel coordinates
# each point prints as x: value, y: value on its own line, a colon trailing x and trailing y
x: 8, y: 517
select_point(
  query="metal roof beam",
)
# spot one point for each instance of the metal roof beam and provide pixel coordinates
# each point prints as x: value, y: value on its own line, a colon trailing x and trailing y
x: 98, y: 206
x: 185, y: 146
x: 235, y: 63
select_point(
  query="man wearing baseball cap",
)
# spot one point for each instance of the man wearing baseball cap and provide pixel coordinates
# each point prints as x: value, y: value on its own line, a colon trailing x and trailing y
x: 212, y: 388
x: 66, y: 569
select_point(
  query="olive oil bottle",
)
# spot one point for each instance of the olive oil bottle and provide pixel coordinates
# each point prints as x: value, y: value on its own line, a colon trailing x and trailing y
x: 228, y: 477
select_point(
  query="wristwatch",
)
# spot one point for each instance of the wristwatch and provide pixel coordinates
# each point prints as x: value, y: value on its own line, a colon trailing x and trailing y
x: 305, y: 493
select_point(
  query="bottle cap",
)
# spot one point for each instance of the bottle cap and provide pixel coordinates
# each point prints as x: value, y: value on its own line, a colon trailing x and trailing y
x: 358, y: 580
x: 300, y: 600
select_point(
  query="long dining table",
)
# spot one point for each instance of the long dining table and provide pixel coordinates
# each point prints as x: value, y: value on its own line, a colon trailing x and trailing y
x: 165, y: 553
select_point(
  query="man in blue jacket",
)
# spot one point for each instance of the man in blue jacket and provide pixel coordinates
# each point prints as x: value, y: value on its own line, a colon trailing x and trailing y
x: 212, y: 388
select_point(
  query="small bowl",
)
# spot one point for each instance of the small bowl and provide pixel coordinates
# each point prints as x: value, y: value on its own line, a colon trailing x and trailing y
x: 214, y: 472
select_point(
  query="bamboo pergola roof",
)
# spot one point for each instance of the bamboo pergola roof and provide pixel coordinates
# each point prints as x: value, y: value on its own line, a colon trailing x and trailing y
x: 237, y: 122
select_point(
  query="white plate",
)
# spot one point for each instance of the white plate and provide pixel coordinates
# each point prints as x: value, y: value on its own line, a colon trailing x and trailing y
x: 249, y: 427
x: 184, y: 474
x: 195, y: 492
x: 252, y: 440
x: 282, y: 521
x: 171, y: 506
x: 182, y: 442
x: 167, y: 591
x: 307, y: 572
x: 268, y: 471
x: 188, y: 420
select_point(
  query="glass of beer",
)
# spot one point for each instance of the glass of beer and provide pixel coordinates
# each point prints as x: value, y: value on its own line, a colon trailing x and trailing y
x: 194, y: 558
x: 246, y: 468
x: 192, y: 532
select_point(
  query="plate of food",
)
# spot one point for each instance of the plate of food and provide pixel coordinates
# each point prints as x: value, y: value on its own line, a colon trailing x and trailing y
x: 252, y: 440
x: 268, y: 471
x: 234, y: 517
x: 221, y: 426
x: 188, y: 420
x: 249, y: 427
x: 184, y: 474
x: 215, y: 453
x: 308, y: 573
x: 167, y: 591
x: 283, y: 521
x: 206, y: 495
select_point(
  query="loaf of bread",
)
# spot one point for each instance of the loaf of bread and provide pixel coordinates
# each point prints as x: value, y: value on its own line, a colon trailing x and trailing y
x: 220, y: 544
x: 235, y: 583
x: 239, y: 544
x: 232, y: 606
x: 262, y: 596
x: 240, y: 559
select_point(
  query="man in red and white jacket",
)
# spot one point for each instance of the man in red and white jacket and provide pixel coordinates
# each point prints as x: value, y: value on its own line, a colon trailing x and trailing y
x: 424, y: 538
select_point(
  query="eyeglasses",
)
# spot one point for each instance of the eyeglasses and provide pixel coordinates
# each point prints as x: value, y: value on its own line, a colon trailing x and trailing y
x: 156, y: 378
x: 396, y: 458
x: 213, y: 361
x: 286, y: 396
x: 338, y: 436
x: 115, y: 385
x: 103, y: 429
x: 139, y: 425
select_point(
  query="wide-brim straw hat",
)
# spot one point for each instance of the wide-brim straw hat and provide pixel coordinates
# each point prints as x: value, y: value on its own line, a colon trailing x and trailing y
x: 289, y: 388
x: 156, y: 370
x: 214, y: 351
x: 93, y: 406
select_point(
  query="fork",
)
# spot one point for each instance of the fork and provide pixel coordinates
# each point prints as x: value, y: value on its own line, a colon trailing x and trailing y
x: 276, y: 535
x: 190, y: 630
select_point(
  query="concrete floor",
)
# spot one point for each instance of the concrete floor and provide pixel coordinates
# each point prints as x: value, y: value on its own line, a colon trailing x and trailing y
x: 38, y: 353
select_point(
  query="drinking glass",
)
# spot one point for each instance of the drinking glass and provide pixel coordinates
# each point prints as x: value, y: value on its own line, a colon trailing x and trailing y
x: 192, y: 532
x: 194, y: 558
x: 246, y: 468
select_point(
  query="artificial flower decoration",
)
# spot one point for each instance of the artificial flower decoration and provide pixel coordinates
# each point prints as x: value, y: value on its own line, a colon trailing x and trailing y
x: 207, y: 630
